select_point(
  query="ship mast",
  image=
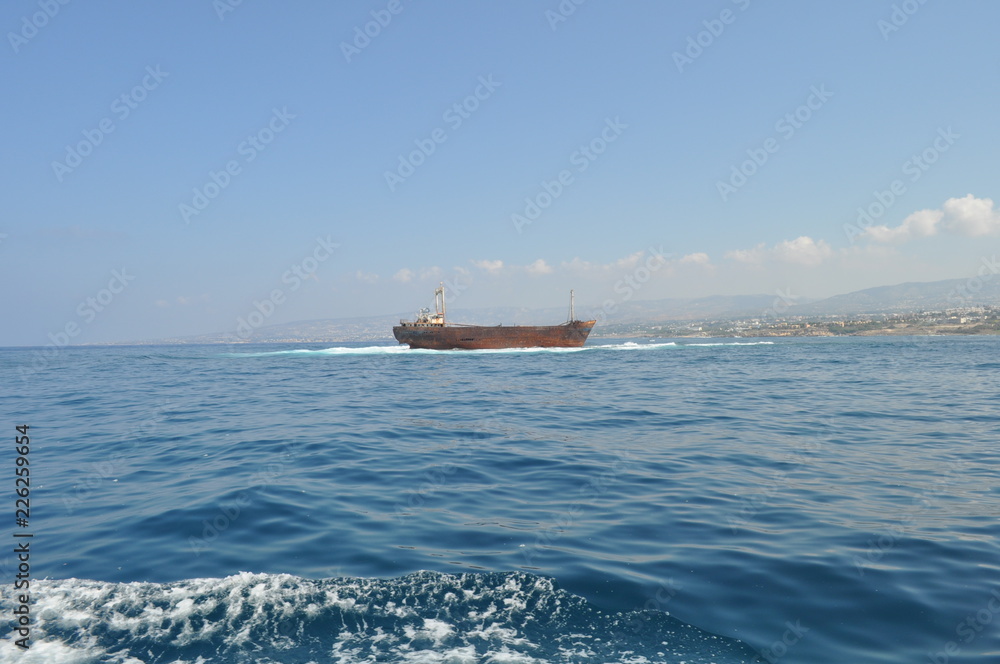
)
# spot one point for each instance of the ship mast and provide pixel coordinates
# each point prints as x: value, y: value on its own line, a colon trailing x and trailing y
x: 572, y: 316
x: 439, y: 302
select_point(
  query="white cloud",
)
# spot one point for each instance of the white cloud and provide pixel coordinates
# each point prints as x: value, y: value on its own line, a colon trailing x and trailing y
x: 802, y: 250
x: 575, y: 267
x: 696, y: 259
x: 183, y: 300
x: 973, y: 217
x: 433, y: 272
x: 539, y: 267
x: 868, y: 251
x: 626, y: 263
x: 753, y: 256
x: 493, y: 267
x: 922, y: 223
x: 968, y: 216
x: 367, y: 277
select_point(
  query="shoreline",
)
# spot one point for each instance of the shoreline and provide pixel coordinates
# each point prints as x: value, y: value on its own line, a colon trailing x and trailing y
x: 930, y: 331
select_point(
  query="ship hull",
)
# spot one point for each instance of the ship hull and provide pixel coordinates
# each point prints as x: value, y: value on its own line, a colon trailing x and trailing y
x: 478, y: 337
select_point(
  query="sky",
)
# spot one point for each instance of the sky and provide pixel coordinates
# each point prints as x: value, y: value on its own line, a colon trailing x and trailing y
x: 176, y: 168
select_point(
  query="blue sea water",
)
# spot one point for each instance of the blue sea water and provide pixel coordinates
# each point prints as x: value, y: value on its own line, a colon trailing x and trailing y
x: 801, y: 500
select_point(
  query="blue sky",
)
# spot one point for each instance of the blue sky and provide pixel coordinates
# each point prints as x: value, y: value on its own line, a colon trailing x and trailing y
x: 170, y: 166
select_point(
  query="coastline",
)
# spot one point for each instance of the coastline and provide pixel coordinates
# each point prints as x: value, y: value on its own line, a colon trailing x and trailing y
x: 814, y: 331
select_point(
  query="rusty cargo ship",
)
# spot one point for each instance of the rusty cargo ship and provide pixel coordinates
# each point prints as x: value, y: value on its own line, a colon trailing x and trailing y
x: 431, y: 331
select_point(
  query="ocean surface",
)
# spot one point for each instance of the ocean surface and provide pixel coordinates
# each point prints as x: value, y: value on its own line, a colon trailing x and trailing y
x: 794, y: 500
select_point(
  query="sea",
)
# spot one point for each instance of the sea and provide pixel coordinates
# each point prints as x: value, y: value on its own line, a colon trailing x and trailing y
x: 816, y: 500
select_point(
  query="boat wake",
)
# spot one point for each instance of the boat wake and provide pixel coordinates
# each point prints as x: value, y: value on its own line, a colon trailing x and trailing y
x: 336, y: 350
x: 732, y: 343
x: 405, y: 350
x: 422, y: 617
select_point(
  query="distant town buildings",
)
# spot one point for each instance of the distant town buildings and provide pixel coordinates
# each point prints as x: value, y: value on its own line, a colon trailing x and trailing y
x: 966, y: 320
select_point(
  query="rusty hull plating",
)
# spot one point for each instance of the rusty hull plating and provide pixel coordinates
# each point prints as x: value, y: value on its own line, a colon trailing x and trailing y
x: 475, y: 337
x: 430, y: 331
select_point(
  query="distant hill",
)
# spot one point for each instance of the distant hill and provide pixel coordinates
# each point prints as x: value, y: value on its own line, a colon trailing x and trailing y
x: 908, y: 297
x: 379, y: 328
x: 668, y: 309
x: 902, y: 298
x: 688, y: 309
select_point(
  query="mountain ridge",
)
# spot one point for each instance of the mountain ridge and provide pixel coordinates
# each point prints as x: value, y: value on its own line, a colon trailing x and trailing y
x: 907, y: 297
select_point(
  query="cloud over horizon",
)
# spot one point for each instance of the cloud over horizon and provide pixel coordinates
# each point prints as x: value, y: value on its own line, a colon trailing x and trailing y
x: 805, y: 262
x: 803, y: 250
x: 967, y: 217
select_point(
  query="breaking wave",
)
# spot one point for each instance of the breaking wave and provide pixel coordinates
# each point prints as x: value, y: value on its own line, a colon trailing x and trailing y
x: 423, y: 617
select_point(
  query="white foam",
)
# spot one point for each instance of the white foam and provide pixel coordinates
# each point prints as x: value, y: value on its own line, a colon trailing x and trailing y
x: 631, y: 345
x: 506, y: 656
x: 496, y: 632
x: 462, y: 655
x: 437, y: 629
x: 424, y: 618
x: 335, y: 350
x: 54, y: 652
x: 733, y: 343
x: 397, y: 350
x: 403, y: 350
